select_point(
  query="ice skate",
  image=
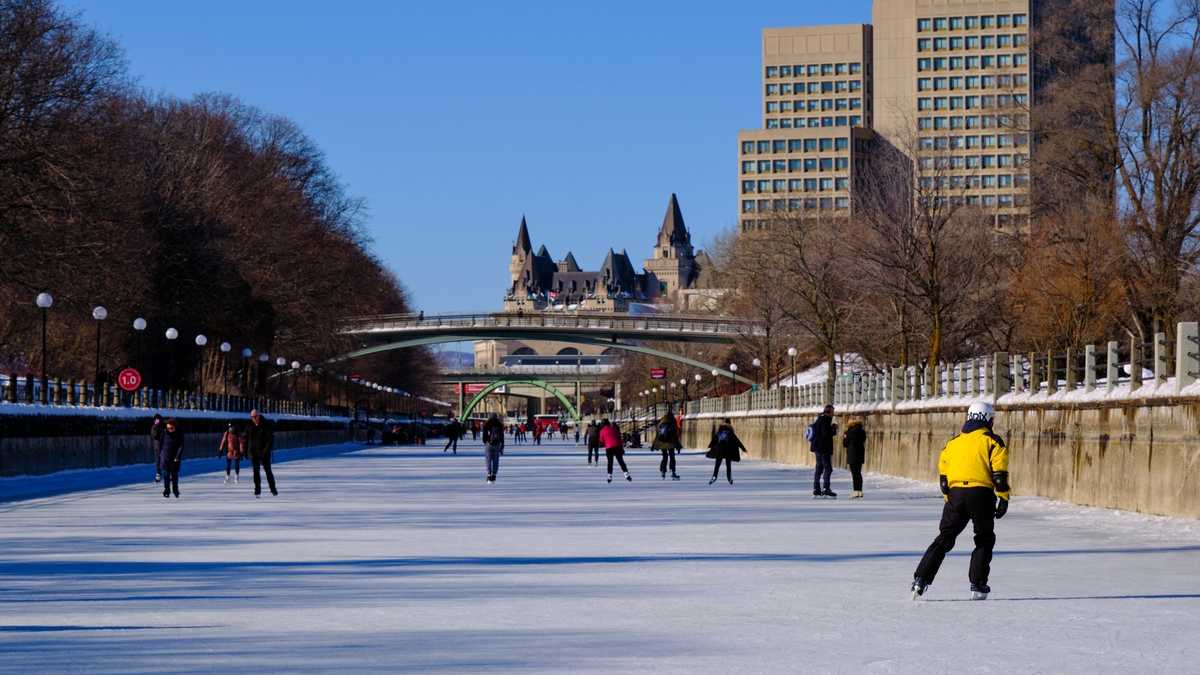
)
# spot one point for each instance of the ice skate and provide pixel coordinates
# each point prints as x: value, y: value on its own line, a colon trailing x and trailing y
x: 157, y: 477
x: 167, y: 494
x: 675, y: 476
x: 236, y: 479
x: 856, y: 494
x: 918, y: 588
x: 664, y: 475
x: 817, y: 494
x: 980, y: 591
x: 628, y: 477
x: 227, y: 481
x: 610, y: 477
x: 828, y: 494
x: 730, y: 481
x: 714, y: 479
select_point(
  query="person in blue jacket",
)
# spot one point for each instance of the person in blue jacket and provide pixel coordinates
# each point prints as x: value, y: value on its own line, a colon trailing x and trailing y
x: 172, y: 457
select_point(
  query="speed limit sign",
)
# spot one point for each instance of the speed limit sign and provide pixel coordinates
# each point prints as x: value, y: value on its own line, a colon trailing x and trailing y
x: 129, y: 379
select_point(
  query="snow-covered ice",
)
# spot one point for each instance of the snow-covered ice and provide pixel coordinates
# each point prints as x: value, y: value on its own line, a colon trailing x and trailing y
x: 402, y: 560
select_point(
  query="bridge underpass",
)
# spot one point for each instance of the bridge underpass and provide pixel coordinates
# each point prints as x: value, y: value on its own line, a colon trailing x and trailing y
x: 570, y: 382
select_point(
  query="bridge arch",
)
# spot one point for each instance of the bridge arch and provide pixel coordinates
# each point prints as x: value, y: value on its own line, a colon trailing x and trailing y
x: 465, y: 413
x: 558, y: 337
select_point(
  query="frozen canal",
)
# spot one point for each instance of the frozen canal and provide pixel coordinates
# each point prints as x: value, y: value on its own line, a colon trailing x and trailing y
x: 402, y: 560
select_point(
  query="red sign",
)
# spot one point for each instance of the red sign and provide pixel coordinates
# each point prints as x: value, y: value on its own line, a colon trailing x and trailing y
x: 658, y: 373
x: 469, y: 388
x: 129, y: 379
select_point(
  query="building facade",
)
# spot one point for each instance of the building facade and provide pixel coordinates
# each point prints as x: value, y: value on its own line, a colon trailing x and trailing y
x: 538, y: 282
x: 949, y: 83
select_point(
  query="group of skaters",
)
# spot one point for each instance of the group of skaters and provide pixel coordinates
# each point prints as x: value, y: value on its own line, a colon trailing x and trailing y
x: 254, y: 439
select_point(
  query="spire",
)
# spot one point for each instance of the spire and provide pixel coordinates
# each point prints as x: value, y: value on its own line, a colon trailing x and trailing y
x: 523, y: 244
x: 673, y: 231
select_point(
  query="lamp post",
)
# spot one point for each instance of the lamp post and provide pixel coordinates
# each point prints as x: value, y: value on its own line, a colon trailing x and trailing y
x: 246, y: 354
x: 201, y: 341
x: 758, y: 368
x: 683, y: 382
x: 733, y: 378
x: 263, y: 359
x: 99, y: 313
x: 295, y: 376
x: 139, y: 327
x: 171, y: 336
x: 792, y: 355
x: 225, y: 347
x: 716, y: 375
x: 44, y: 301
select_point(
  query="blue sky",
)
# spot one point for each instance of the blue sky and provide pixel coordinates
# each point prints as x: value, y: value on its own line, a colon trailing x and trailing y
x: 453, y: 119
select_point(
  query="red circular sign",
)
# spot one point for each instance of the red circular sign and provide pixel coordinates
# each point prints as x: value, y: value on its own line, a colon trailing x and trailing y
x: 129, y: 379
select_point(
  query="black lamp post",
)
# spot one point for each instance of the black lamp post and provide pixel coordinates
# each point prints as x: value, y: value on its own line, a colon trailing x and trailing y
x: 99, y: 313
x: 201, y: 341
x: 139, y: 327
x: 171, y: 335
x: 225, y: 347
x: 44, y: 302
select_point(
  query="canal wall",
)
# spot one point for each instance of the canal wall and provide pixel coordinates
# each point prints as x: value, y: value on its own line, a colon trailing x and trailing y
x: 1135, y: 455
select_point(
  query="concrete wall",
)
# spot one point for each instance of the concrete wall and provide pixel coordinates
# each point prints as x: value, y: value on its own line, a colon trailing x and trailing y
x: 1139, y: 456
x: 39, y: 445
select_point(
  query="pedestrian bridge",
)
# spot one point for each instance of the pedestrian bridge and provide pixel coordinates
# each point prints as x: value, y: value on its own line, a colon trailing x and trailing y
x: 619, y: 331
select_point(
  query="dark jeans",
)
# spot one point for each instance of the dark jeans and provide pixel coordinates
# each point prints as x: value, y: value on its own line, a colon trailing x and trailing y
x: 170, y: 473
x: 728, y: 468
x: 452, y: 442
x: 667, y: 460
x: 235, y: 464
x: 823, y: 471
x: 263, y: 460
x: 593, y: 451
x: 856, y: 476
x: 620, y: 457
x: 492, y: 456
x: 974, y: 505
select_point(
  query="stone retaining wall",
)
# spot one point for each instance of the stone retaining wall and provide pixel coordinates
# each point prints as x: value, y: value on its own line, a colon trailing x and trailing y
x: 34, y: 445
x: 1137, y: 456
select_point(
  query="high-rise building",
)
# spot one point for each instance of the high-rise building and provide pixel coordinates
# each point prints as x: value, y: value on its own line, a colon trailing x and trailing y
x: 816, y: 104
x: 950, y: 83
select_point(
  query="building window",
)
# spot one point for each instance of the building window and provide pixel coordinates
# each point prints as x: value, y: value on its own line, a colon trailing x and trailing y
x: 924, y: 25
x: 747, y: 206
x: 1019, y: 20
x: 956, y: 23
x: 1003, y: 20
x: 747, y: 147
x: 747, y: 167
x: 764, y: 147
x: 747, y: 187
x: 793, y: 165
x: 779, y: 165
x: 855, y: 68
x: 810, y: 165
x: 772, y: 71
x: 956, y: 43
x: 986, y: 22
x: 924, y: 65
x: 939, y: 23
x: 940, y: 44
x: 764, y: 166
x: 785, y: 71
x: 971, y: 22
x: 826, y: 164
x: 924, y: 44
x: 841, y: 163
x: 1019, y: 40
x: 826, y: 69
x: 972, y: 42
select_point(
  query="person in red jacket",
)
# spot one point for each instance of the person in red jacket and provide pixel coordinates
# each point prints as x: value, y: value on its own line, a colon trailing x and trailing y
x: 610, y: 438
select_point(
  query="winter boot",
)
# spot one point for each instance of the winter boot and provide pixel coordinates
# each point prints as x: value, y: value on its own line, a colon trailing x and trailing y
x: 828, y: 493
x: 918, y: 587
x: 628, y: 477
x: 664, y: 475
x: 714, y: 479
x: 610, y: 477
x: 675, y: 476
x: 730, y: 478
x: 817, y: 494
x: 167, y: 493
x: 980, y: 591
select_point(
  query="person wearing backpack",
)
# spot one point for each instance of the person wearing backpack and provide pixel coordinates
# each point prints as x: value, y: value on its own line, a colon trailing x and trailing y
x: 593, y: 442
x: 821, y: 434
x: 666, y: 440
x: 855, y: 443
x: 725, y: 445
x: 493, y: 441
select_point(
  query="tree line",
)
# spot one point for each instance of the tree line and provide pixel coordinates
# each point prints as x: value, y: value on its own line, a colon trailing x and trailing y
x: 207, y: 215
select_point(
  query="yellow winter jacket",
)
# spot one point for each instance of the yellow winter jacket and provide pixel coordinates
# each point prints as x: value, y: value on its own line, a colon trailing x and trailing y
x: 975, y: 458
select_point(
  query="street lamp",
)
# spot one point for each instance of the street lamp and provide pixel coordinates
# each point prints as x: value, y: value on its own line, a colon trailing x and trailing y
x: 792, y: 355
x: 44, y: 301
x: 225, y: 347
x: 201, y: 340
x: 757, y: 366
x: 139, y: 327
x: 171, y: 336
x: 99, y: 313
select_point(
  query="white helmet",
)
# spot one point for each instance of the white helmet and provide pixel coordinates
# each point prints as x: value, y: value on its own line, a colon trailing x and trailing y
x: 981, y: 411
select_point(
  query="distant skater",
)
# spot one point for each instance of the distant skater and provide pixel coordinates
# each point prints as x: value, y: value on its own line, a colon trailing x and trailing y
x: 593, y: 442
x: 172, y: 458
x: 973, y: 474
x: 666, y: 440
x: 855, y: 443
x: 454, y: 431
x: 260, y: 443
x: 156, y: 441
x: 610, y: 438
x: 493, y: 441
x: 233, y: 448
x: 726, y: 446
x: 822, y: 433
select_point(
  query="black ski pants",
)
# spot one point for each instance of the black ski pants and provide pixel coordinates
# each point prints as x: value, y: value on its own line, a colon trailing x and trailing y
x: 620, y: 457
x: 170, y: 477
x: 728, y: 468
x: 668, y: 460
x: 593, y: 452
x: 976, y: 505
x: 824, y: 470
x: 452, y: 441
x: 263, y: 460
x: 856, y: 476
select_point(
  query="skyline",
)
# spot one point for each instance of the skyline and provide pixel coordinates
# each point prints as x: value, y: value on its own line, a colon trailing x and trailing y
x: 571, y: 126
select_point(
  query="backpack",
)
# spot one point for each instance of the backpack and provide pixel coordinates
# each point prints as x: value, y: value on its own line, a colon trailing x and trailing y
x: 725, y: 436
x: 664, y: 431
x: 810, y: 431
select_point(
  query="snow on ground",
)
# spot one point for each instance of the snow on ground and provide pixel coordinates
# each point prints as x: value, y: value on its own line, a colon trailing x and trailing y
x: 402, y: 560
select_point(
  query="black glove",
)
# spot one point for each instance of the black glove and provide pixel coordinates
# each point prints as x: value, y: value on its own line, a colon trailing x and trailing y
x: 1001, y: 507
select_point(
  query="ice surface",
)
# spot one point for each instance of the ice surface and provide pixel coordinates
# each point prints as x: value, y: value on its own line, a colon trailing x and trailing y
x: 402, y: 560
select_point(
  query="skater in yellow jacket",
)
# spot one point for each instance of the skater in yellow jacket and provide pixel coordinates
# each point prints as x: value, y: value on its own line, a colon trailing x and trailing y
x: 973, y: 473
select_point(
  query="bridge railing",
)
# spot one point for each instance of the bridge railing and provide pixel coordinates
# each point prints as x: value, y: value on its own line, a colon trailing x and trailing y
x: 599, y: 322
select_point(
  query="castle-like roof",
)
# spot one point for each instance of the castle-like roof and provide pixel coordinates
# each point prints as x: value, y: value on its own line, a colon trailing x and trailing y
x: 673, y: 230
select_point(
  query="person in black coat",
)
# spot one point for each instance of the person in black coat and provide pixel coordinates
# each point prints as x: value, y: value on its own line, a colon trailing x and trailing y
x: 260, y: 442
x: 666, y: 440
x: 725, y: 445
x: 172, y: 457
x: 855, y: 443
x: 821, y: 444
x: 454, y: 431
